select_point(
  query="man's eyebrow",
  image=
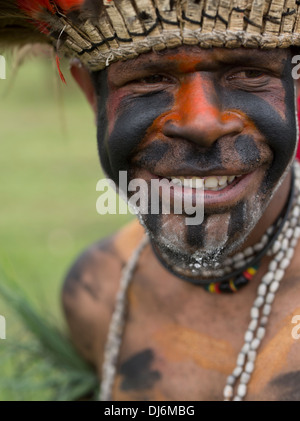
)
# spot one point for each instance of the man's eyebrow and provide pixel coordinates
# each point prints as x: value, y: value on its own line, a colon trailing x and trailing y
x: 153, y: 64
x: 165, y: 62
x: 253, y: 59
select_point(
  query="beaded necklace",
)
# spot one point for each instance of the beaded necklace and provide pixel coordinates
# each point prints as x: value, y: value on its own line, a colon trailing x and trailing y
x: 282, y: 251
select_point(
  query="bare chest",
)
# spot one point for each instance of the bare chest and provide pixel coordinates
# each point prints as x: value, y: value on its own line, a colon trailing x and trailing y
x: 188, y: 357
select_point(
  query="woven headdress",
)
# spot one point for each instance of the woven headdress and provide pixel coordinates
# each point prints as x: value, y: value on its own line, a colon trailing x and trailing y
x: 99, y: 32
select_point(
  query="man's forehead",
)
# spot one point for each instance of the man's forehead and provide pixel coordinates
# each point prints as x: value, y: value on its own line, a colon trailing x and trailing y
x: 194, y: 55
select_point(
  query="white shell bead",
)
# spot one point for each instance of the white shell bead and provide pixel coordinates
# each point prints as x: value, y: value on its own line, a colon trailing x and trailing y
x: 264, y: 239
x: 230, y: 380
x: 237, y: 371
x: 264, y: 320
x: 237, y: 398
x: 273, y: 266
x: 294, y: 242
x: 297, y: 232
x: 285, y: 227
x: 293, y: 221
x: 245, y: 377
x: 228, y: 391
x: 255, y: 343
x: 274, y: 287
x: 289, y: 233
x: 270, y: 297
x: 290, y: 253
x: 276, y: 246
x: 239, y: 264
x: 248, y: 336
x: 284, y: 263
x: 245, y: 348
x: 278, y: 275
x: 249, y: 367
x: 251, y: 355
x: 258, y: 247
x: 285, y: 244
x: 260, y: 332
x: 238, y: 257
x: 262, y: 289
x: 254, y: 312
x: 248, y: 251
x: 240, y: 359
x: 267, y: 279
x: 252, y: 325
x: 259, y: 301
x: 241, y: 390
x: 296, y: 211
x: 279, y: 256
x: 266, y: 309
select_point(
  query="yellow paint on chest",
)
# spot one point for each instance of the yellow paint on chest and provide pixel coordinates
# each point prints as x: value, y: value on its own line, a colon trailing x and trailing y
x: 178, y: 343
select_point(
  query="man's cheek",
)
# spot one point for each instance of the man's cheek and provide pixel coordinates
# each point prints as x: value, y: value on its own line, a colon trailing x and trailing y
x: 129, y: 129
x: 280, y: 133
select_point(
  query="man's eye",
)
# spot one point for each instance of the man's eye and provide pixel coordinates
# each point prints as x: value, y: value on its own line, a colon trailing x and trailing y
x: 247, y: 74
x: 253, y: 73
x: 153, y: 79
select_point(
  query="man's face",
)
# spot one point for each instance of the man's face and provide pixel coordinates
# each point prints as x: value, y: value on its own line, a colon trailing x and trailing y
x: 212, y: 114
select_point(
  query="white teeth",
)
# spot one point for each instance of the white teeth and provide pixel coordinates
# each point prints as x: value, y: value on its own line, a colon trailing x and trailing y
x: 223, y: 180
x: 209, y: 183
x: 197, y: 182
x: 186, y: 182
x: 176, y: 181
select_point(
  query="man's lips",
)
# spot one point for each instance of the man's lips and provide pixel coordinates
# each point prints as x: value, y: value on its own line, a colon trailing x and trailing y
x: 217, y: 197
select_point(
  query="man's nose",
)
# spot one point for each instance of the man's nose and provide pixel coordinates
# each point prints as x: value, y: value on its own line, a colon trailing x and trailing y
x: 198, y: 114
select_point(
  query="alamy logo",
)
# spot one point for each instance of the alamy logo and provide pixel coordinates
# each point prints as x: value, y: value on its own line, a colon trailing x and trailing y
x: 296, y: 329
x: 2, y: 67
x: 2, y: 327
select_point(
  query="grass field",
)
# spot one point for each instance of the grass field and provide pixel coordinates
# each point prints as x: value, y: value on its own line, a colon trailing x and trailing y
x: 49, y: 168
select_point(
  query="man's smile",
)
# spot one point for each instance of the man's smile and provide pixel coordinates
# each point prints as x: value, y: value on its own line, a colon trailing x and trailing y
x: 221, y: 191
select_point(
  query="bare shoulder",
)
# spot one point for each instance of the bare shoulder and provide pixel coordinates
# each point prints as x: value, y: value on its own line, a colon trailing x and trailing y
x: 90, y: 287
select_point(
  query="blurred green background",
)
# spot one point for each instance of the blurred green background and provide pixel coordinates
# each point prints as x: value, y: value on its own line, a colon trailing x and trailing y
x: 49, y: 168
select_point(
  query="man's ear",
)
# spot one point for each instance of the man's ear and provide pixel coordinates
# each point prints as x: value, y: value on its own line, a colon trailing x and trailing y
x: 83, y: 78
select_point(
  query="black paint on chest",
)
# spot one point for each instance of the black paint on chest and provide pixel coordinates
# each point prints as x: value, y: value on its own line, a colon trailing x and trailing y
x: 137, y: 373
x: 287, y: 386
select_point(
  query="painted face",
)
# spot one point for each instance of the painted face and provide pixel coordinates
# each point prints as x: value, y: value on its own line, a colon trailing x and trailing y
x: 212, y: 114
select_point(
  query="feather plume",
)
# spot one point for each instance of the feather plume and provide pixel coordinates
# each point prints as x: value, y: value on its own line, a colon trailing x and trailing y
x: 26, y: 21
x: 34, y: 7
x: 15, y: 26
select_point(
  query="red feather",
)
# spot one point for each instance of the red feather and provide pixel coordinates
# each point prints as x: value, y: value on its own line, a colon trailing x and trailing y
x: 59, y: 70
x: 34, y: 7
x: 67, y: 5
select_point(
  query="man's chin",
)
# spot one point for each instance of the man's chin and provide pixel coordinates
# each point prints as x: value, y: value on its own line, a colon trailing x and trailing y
x: 190, y: 251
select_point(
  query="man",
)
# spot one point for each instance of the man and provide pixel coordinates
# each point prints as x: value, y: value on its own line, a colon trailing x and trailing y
x: 178, y: 95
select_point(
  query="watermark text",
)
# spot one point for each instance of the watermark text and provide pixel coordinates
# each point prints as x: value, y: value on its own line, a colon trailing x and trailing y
x: 2, y: 67
x: 155, y: 196
x: 2, y: 327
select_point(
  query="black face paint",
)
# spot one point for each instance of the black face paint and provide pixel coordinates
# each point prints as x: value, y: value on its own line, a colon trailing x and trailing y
x: 280, y: 134
x: 130, y: 127
x: 247, y: 150
x: 137, y: 373
x: 210, y: 159
x: 238, y: 220
x: 195, y: 235
x: 152, y: 154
